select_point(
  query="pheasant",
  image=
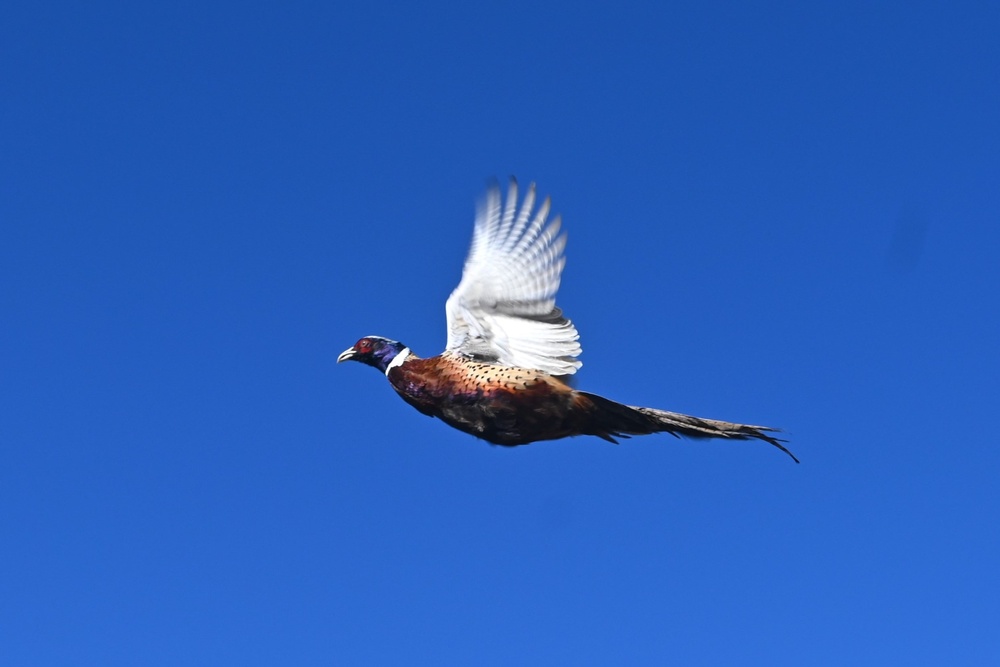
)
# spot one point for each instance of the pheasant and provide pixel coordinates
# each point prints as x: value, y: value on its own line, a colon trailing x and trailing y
x: 510, y: 350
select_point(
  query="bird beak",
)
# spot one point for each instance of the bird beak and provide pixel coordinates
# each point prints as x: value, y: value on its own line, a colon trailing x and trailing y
x: 346, y: 355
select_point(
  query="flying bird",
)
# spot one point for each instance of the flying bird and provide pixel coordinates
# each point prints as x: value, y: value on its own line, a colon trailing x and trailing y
x: 510, y: 350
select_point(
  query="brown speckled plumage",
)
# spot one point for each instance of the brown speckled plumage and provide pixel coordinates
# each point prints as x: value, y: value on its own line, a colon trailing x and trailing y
x: 501, y: 404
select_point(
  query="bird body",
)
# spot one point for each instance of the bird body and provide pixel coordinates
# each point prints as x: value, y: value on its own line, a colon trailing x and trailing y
x: 509, y: 346
x: 504, y: 405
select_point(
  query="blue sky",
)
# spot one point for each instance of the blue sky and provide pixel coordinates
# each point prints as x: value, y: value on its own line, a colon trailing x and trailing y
x: 785, y: 214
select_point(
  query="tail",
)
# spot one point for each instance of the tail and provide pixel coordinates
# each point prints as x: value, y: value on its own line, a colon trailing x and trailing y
x: 610, y: 420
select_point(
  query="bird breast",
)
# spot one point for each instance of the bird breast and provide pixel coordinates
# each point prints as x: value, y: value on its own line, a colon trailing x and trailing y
x: 504, y: 405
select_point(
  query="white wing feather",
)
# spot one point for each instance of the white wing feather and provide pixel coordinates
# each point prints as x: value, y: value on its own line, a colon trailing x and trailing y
x: 504, y: 308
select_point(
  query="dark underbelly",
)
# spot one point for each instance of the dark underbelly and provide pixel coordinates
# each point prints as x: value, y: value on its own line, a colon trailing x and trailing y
x: 504, y: 418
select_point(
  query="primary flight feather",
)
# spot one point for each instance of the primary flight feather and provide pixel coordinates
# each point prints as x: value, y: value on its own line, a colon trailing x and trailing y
x: 504, y: 309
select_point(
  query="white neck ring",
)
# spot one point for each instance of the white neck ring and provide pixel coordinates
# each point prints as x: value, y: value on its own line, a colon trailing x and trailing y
x: 397, y: 360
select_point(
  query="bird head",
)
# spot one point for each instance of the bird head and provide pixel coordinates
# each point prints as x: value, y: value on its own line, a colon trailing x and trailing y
x: 374, y: 351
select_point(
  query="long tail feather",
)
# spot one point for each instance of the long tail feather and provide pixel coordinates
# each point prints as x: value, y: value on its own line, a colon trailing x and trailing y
x: 699, y: 427
x: 611, y: 419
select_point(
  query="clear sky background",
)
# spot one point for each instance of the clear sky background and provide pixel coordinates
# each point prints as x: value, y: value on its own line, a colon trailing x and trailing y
x: 783, y: 213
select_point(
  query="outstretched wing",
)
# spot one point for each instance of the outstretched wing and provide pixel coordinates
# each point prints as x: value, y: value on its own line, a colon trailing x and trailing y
x: 504, y: 309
